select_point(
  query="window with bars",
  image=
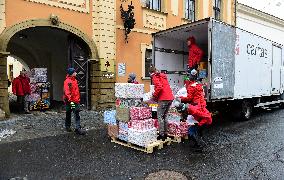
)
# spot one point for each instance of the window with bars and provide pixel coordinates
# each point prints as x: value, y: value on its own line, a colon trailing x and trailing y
x: 153, y: 4
x: 148, y: 61
x: 217, y: 9
x: 189, y: 9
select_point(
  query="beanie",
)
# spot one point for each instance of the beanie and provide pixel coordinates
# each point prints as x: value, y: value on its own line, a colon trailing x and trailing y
x: 132, y: 76
x: 70, y: 71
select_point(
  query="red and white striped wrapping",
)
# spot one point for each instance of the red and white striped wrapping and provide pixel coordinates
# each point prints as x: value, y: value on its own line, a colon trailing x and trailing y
x: 140, y: 113
x: 177, y: 128
x: 143, y: 124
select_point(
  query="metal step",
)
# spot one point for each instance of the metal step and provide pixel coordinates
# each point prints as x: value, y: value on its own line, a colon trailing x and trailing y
x: 269, y: 103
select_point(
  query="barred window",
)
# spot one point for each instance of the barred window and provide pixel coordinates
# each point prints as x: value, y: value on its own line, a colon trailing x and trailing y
x: 153, y: 4
x: 189, y: 9
x: 217, y: 9
x: 148, y: 61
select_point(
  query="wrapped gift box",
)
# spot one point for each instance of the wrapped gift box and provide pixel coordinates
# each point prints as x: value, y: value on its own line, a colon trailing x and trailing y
x: 129, y: 90
x: 140, y: 113
x: 128, y: 102
x: 135, y: 90
x: 123, y: 131
x: 172, y: 116
x: 120, y: 90
x: 142, y: 138
x: 39, y: 72
x: 112, y: 130
x: 177, y: 128
x: 122, y: 114
x: 109, y: 117
x: 142, y: 124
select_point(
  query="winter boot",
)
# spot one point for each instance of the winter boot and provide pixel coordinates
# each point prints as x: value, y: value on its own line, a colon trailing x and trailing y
x: 80, y: 131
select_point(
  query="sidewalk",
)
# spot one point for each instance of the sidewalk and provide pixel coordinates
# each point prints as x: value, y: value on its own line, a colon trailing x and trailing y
x: 43, y: 124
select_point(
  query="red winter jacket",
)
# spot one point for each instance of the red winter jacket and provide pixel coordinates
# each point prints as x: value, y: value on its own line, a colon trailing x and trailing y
x: 21, y: 86
x: 195, y: 53
x: 163, y: 91
x: 197, y: 103
x: 195, y: 94
x: 71, y: 90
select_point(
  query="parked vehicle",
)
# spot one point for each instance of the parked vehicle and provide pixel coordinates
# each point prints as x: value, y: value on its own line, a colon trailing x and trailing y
x: 240, y: 70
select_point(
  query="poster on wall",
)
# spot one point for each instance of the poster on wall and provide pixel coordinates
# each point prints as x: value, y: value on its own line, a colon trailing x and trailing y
x: 121, y: 69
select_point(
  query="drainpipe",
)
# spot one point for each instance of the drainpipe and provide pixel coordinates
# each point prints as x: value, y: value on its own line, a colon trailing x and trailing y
x: 235, y: 12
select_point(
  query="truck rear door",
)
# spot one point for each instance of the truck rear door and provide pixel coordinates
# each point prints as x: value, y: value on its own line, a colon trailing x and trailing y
x: 223, y: 38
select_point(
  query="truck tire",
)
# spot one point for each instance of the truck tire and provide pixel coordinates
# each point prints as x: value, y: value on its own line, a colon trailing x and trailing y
x: 244, y: 110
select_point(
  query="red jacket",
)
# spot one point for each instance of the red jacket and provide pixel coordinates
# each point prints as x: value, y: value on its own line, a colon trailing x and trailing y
x: 195, y: 53
x: 195, y: 94
x: 163, y: 91
x: 21, y: 86
x: 71, y: 90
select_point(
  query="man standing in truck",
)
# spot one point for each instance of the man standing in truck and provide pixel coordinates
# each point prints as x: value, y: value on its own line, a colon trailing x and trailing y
x: 195, y: 54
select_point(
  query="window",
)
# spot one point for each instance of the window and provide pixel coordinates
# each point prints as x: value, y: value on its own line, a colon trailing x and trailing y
x: 153, y: 4
x: 217, y: 9
x: 148, y: 61
x: 189, y: 9
x: 10, y: 72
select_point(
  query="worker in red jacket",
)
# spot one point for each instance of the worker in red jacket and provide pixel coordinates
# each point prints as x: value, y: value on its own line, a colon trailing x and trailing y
x: 132, y: 78
x: 195, y: 105
x: 22, y: 89
x: 164, y: 96
x: 195, y: 53
x: 72, y: 101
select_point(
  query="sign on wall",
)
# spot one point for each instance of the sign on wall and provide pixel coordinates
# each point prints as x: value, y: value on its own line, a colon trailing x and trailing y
x: 121, y: 69
x: 75, y: 5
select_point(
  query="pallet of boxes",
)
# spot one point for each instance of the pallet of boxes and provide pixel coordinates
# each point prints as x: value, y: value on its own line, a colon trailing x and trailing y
x: 39, y: 99
x: 131, y: 123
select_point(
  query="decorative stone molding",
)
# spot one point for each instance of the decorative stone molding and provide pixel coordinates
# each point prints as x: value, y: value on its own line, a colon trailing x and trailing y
x: 241, y: 8
x: 2, y: 15
x: 104, y: 32
x: 143, y: 31
x: 154, y: 20
x: 74, y: 5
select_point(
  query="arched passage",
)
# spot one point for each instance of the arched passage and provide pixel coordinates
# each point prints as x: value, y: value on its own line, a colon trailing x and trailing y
x: 39, y: 43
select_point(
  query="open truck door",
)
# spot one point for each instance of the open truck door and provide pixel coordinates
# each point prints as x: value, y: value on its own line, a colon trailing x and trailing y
x: 222, y: 40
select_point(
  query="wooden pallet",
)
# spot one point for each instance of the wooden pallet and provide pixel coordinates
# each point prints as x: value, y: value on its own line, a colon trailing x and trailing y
x: 177, y: 139
x: 148, y: 149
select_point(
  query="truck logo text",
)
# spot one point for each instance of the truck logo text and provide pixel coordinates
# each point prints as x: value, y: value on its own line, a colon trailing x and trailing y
x: 256, y: 50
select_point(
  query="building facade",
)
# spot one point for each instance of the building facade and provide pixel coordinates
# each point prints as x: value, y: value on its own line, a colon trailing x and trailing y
x: 90, y: 35
x: 155, y: 15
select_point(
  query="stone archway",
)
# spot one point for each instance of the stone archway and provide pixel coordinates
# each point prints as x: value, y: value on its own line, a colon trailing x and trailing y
x: 9, y: 32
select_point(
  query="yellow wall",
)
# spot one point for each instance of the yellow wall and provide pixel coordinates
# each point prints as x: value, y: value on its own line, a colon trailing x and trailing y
x: 21, y: 10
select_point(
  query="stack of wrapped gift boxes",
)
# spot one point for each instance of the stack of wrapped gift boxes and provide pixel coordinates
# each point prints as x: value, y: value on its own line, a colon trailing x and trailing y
x: 39, y: 98
x: 176, y: 125
x: 133, y: 119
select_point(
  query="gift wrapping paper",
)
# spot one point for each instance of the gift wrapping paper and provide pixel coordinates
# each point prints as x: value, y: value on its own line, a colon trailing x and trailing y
x: 142, y: 138
x: 172, y: 116
x: 123, y: 131
x: 177, y: 128
x: 129, y: 90
x: 122, y: 114
x: 112, y: 130
x: 109, y: 117
x: 128, y: 102
x: 145, y: 124
x: 139, y: 113
x: 39, y: 72
x: 152, y: 88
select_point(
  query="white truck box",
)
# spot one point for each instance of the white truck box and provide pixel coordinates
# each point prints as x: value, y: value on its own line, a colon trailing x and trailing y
x: 242, y: 66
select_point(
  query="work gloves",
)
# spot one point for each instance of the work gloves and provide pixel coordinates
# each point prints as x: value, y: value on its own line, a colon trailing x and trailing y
x: 72, y: 105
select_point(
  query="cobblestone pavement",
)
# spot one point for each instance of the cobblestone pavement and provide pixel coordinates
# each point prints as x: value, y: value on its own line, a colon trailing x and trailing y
x: 236, y: 150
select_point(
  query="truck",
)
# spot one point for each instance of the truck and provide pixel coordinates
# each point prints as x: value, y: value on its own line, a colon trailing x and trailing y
x: 240, y: 70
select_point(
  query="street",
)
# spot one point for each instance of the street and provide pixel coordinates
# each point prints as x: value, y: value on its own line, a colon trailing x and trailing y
x: 236, y: 150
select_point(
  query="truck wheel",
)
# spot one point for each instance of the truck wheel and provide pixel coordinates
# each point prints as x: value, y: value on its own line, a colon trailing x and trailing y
x: 244, y: 111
